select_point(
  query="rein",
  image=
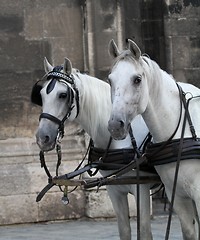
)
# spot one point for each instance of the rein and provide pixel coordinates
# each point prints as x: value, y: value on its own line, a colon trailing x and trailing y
x: 137, y: 178
x: 96, y: 164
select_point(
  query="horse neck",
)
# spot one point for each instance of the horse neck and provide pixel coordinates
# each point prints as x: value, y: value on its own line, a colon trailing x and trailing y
x: 95, y: 107
x: 162, y: 112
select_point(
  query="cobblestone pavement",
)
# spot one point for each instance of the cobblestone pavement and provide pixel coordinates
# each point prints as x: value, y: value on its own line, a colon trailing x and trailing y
x: 84, y: 229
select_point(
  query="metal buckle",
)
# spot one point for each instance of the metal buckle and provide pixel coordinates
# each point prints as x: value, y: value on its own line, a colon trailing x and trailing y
x: 59, y: 138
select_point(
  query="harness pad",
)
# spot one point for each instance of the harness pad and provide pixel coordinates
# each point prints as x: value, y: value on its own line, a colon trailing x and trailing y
x: 190, y: 150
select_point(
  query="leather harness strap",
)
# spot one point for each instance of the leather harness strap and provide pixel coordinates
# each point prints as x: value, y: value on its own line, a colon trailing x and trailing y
x: 166, y: 152
x: 177, y: 166
x: 175, y: 150
x: 119, y: 168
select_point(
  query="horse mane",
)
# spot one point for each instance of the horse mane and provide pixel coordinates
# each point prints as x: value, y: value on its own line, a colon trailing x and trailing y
x: 154, y: 71
x: 95, y: 100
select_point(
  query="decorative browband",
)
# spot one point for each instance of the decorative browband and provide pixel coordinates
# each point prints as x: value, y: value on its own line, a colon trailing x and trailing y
x: 63, y: 76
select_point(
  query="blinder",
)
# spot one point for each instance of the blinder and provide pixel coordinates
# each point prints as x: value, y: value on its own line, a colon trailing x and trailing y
x: 51, y: 85
x: 35, y: 94
x: 54, y: 75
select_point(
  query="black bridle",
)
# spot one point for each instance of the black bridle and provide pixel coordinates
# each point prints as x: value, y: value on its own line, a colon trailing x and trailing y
x: 74, y: 95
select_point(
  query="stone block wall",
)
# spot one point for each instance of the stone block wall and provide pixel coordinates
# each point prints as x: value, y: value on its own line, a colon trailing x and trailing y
x: 182, y: 37
x: 21, y: 179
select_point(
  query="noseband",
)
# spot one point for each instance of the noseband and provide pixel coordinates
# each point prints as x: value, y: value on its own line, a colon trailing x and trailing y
x: 74, y: 94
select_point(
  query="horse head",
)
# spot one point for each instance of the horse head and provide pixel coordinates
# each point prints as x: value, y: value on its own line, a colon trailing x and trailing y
x: 58, y: 97
x: 128, y: 88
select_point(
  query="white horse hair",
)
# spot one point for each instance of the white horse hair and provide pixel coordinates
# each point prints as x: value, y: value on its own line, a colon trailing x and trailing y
x: 95, y: 108
x: 139, y: 86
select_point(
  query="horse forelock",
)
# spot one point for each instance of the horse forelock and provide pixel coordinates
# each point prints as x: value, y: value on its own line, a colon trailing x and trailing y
x: 58, y: 68
x: 125, y: 55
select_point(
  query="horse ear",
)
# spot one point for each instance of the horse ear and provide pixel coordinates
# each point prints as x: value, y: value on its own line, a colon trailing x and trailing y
x: 67, y: 67
x: 113, y: 49
x: 133, y: 47
x: 47, y: 66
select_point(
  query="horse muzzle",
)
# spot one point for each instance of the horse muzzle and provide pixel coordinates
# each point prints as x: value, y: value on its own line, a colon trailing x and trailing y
x: 45, y: 140
x: 117, y: 129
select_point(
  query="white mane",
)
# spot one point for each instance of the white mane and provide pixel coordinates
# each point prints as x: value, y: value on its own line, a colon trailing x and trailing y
x: 95, y: 99
x: 153, y: 70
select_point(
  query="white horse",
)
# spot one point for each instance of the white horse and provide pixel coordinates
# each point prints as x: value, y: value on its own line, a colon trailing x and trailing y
x: 59, y: 99
x: 139, y: 86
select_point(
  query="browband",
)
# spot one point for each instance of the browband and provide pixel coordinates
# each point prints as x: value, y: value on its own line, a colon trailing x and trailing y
x: 60, y: 75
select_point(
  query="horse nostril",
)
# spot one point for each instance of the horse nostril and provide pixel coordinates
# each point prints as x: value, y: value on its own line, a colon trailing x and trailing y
x: 121, y: 123
x: 46, y: 140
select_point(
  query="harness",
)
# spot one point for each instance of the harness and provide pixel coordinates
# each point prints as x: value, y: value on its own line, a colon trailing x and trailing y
x: 100, y: 159
x: 113, y: 159
x: 167, y: 151
x: 176, y: 150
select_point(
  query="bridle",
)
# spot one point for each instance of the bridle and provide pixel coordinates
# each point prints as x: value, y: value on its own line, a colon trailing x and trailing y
x: 73, y: 95
x: 65, y: 79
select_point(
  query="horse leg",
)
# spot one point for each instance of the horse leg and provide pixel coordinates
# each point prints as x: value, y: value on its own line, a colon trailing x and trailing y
x: 197, y: 219
x: 184, y: 208
x: 120, y: 204
x: 145, y: 217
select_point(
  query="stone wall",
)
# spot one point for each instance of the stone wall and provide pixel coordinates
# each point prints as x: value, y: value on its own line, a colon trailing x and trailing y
x: 21, y: 179
x: 168, y: 31
x: 182, y: 38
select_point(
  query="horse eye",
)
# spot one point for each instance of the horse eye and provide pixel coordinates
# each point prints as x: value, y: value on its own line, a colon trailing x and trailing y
x: 137, y: 79
x: 63, y: 95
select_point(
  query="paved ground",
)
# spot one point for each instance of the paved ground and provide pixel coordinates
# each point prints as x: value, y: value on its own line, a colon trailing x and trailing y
x: 83, y: 229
